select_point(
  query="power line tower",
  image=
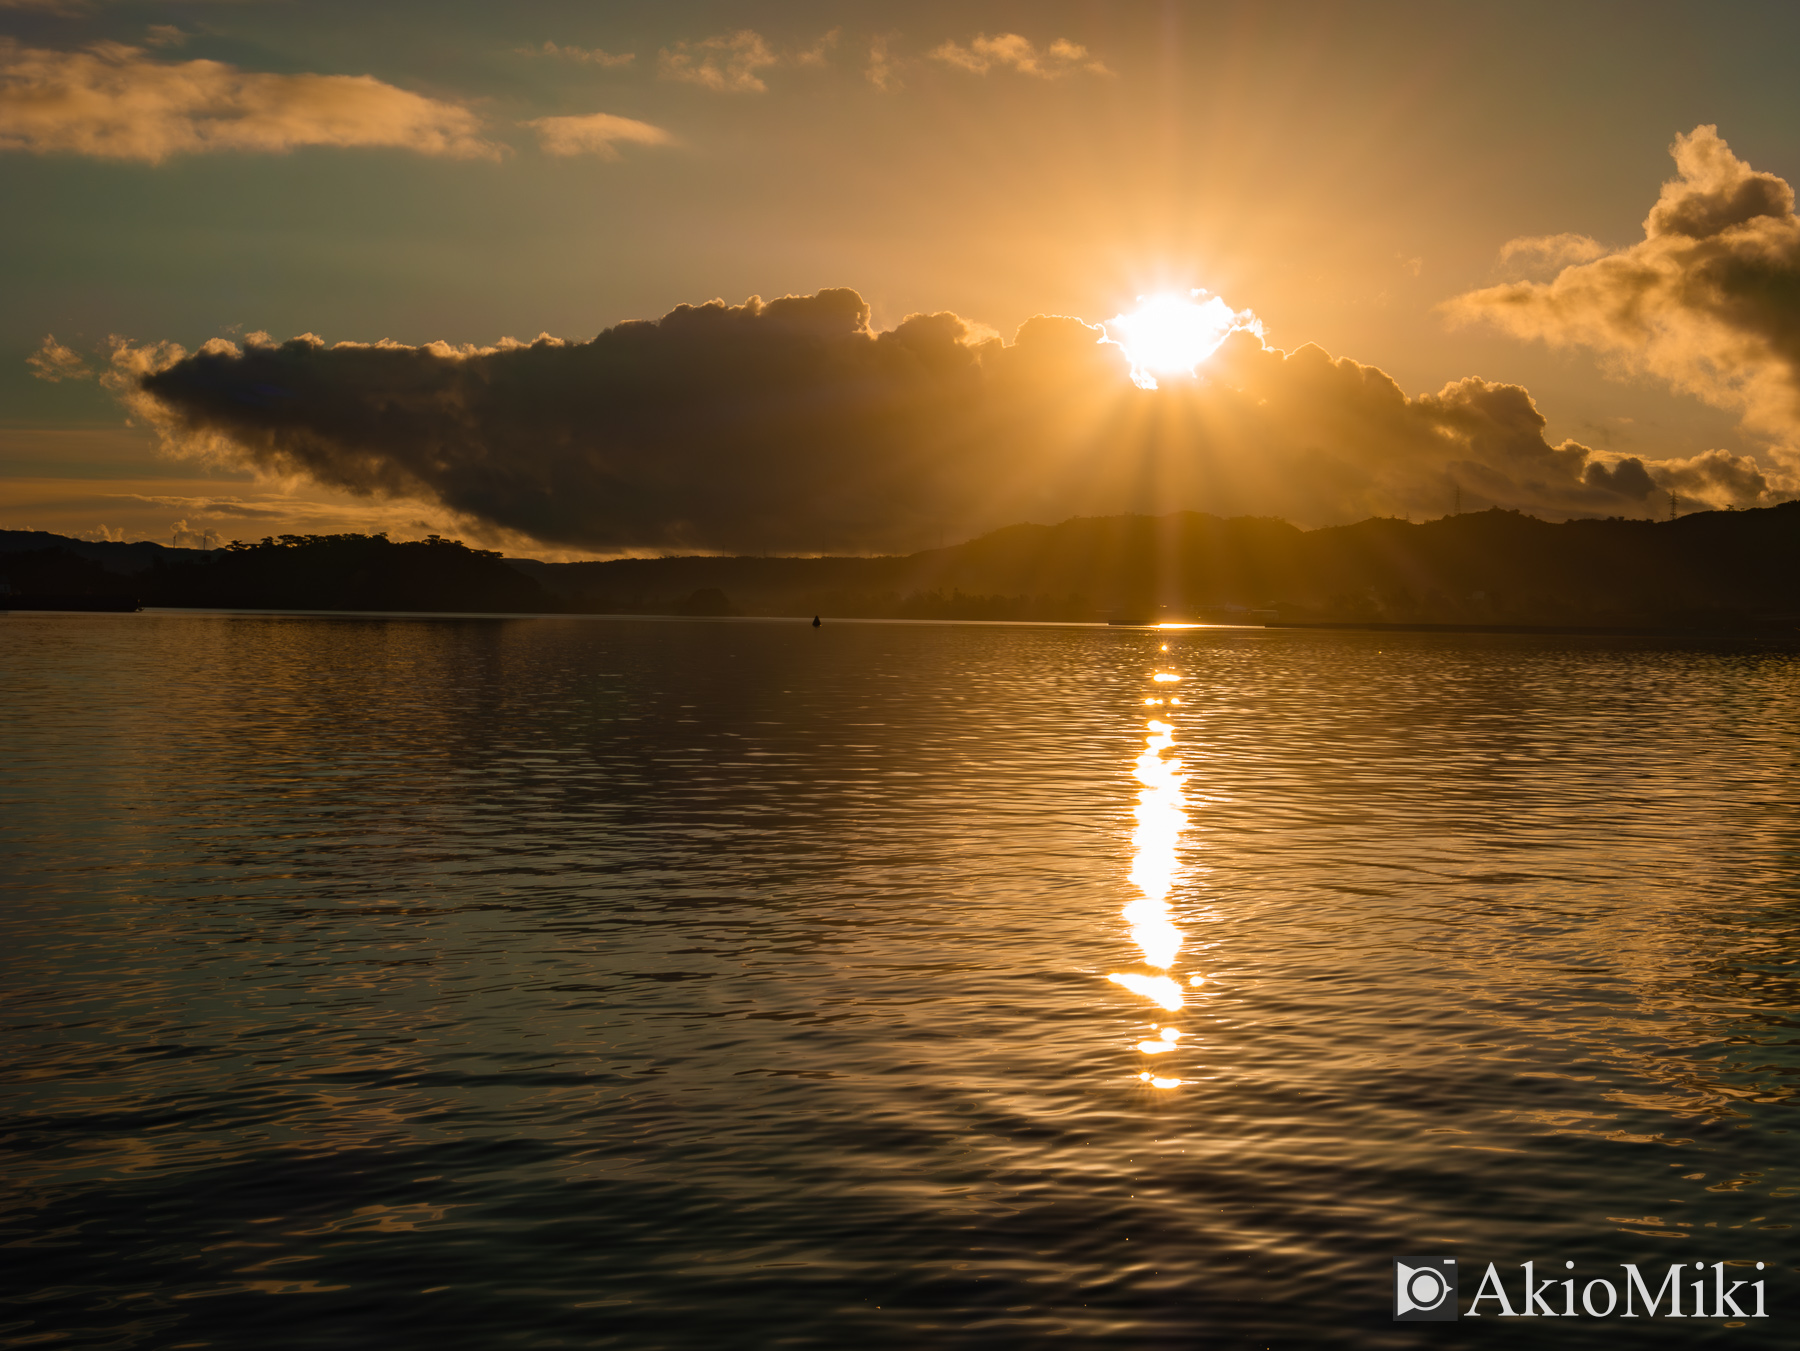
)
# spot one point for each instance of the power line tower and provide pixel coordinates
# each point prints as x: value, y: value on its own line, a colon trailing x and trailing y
x: 1674, y: 502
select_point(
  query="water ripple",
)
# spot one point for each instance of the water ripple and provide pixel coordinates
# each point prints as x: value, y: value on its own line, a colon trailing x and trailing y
x: 626, y: 983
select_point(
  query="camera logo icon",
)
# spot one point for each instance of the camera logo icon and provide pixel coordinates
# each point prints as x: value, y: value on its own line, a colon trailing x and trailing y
x: 1424, y: 1289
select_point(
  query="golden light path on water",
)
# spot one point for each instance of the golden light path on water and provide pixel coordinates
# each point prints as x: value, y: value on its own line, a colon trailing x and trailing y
x: 1161, y: 817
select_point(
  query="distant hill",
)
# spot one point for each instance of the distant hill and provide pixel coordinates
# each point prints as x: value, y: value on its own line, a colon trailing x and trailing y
x: 1708, y: 571
x: 294, y: 572
x: 122, y: 559
x: 1494, y: 567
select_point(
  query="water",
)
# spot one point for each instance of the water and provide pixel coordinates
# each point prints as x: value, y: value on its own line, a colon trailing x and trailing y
x: 591, y: 983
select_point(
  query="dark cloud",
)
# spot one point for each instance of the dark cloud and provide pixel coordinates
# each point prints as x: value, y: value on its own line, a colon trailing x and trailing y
x: 1627, y: 477
x: 1709, y: 300
x: 790, y: 425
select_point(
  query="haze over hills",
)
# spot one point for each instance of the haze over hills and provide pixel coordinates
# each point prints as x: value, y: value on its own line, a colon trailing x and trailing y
x: 1707, y: 570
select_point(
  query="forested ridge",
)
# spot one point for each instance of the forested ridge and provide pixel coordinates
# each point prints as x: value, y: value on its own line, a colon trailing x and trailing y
x: 1707, y: 570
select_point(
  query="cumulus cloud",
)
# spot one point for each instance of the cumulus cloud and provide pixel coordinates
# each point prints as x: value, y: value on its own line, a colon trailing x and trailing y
x: 592, y: 56
x: 727, y: 63
x: 184, y: 536
x: 1708, y: 301
x: 114, y: 102
x: 1009, y: 51
x: 56, y: 363
x: 596, y: 134
x: 792, y: 425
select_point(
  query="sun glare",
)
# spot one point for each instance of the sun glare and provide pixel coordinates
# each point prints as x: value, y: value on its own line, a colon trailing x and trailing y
x: 1171, y: 334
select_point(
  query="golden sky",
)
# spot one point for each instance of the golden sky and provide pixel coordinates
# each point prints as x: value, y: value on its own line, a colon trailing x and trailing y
x: 1525, y: 255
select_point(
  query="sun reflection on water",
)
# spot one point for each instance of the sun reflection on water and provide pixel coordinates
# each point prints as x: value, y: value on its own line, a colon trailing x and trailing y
x: 1161, y: 817
x: 1160, y: 820
x: 1158, y: 989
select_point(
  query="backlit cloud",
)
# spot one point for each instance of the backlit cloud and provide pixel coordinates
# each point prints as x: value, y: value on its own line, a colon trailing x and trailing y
x: 1009, y: 51
x: 226, y: 516
x: 791, y: 425
x: 1709, y: 300
x: 114, y: 102
x: 819, y: 53
x: 727, y: 63
x: 1551, y: 250
x: 185, y: 536
x: 234, y: 507
x: 591, y: 56
x: 596, y: 134
x: 56, y: 363
x: 883, y: 68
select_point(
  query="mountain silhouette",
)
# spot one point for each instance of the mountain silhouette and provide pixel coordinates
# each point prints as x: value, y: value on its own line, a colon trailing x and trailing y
x: 1706, y: 571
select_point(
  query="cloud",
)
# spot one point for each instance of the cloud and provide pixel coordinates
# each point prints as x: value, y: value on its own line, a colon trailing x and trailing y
x: 227, y: 516
x: 727, y: 63
x: 883, y: 70
x: 164, y: 35
x: 819, y: 53
x: 185, y: 537
x: 113, y: 102
x: 1009, y: 51
x: 1708, y: 301
x: 596, y: 134
x: 791, y: 425
x: 56, y: 363
x: 593, y: 56
x: 236, y: 508
x: 1714, y: 477
x: 1551, y: 250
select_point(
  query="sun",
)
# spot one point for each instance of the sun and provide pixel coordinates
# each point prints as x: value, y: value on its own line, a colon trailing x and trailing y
x: 1171, y: 334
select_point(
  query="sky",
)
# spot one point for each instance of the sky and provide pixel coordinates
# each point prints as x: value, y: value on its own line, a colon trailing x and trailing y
x: 1537, y: 256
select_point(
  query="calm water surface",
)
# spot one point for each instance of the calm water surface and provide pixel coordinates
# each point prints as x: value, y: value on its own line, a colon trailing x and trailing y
x: 590, y: 983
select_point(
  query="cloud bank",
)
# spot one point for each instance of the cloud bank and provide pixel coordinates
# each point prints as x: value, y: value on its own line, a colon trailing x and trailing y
x: 1708, y: 301
x: 114, y: 102
x: 792, y: 426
